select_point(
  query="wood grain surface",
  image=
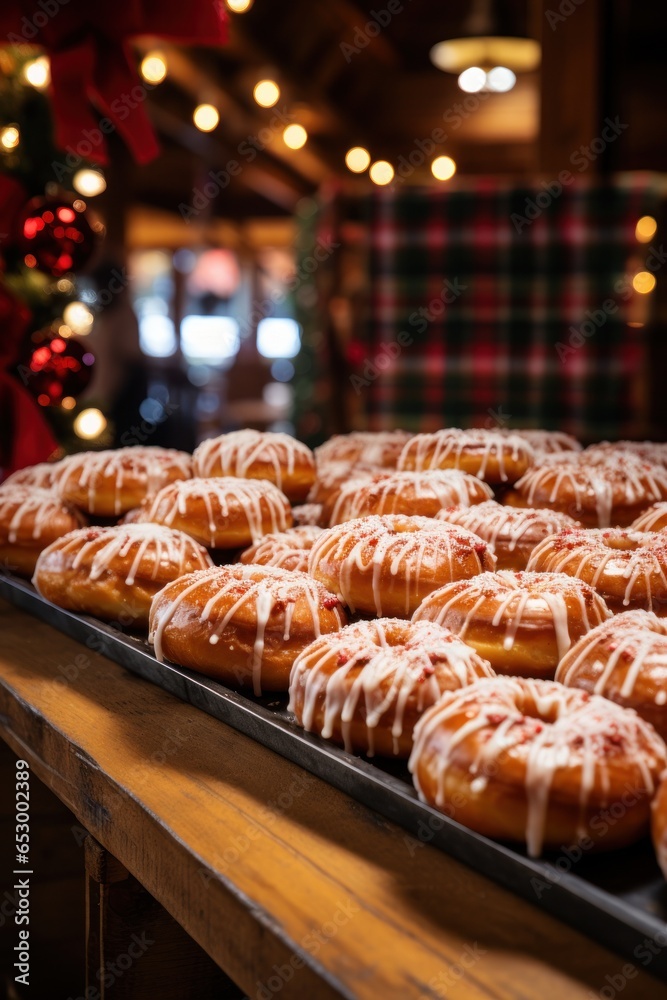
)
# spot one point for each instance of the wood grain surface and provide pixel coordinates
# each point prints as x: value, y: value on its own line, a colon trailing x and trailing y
x: 293, y: 888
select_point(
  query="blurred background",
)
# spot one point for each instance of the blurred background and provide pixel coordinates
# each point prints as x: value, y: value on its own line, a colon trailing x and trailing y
x: 360, y: 215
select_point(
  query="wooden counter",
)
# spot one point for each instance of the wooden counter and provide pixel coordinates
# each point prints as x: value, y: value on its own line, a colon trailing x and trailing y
x: 289, y: 885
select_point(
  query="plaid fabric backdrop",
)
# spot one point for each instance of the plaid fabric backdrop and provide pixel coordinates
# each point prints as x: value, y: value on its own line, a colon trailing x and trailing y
x: 495, y: 305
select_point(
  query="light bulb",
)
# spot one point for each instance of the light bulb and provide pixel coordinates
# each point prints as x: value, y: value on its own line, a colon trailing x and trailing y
x: 357, y: 159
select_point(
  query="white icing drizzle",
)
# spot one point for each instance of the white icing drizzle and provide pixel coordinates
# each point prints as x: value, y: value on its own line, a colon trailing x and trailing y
x: 264, y: 589
x: 634, y: 642
x: 647, y: 451
x: 153, y: 550
x: 402, y: 546
x: 40, y: 475
x: 286, y: 549
x: 19, y: 503
x: 548, y: 442
x: 380, y: 449
x: 594, y: 482
x: 653, y: 519
x: 507, y: 526
x: 448, y: 448
x: 555, y: 734
x: 611, y: 559
x: 147, y: 467
x: 307, y: 513
x: 389, y: 492
x: 388, y: 665
x: 236, y: 453
x: 260, y: 500
x: 330, y: 478
x: 516, y: 600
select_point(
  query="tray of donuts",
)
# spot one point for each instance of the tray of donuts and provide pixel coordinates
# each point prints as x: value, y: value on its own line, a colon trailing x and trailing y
x: 465, y: 629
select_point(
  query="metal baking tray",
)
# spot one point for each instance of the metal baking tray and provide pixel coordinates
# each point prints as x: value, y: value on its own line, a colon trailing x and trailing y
x: 619, y: 899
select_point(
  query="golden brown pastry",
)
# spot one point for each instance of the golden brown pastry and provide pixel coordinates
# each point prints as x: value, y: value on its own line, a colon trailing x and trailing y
x: 387, y: 565
x: 538, y: 763
x: 366, y: 686
x: 250, y: 454
x: 30, y: 519
x: 243, y: 625
x: 113, y: 573
x: 495, y: 457
x: 286, y: 549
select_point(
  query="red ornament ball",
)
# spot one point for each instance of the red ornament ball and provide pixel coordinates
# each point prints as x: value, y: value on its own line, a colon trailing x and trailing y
x: 56, y: 237
x: 56, y: 367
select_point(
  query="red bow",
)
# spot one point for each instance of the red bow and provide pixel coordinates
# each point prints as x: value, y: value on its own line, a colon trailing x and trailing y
x: 92, y: 64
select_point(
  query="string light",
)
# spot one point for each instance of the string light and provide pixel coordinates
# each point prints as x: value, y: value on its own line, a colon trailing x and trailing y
x: 239, y: 6
x: 89, y: 182
x: 357, y: 159
x: 37, y: 73
x: 10, y: 137
x: 643, y: 282
x: 90, y: 423
x: 68, y: 402
x: 153, y: 67
x: 381, y: 172
x: 295, y: 136
x: 205, y: 117
x: 266, y: 93
x: 646, y: 229
x: 472, y: 79
x: 78, y: 318
x: 443, y: 168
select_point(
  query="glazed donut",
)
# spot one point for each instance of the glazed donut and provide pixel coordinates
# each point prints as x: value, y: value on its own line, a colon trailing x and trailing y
x: 490, y: 455
x: 628, y: 568
x: 522, y: 623
x: 599, y: 490
x: 243, y: 625
x: 286, y: 549
x: 625, y: 660
x: 366, y: 686
x: 512, y: 532
x: 307, y: 513
x: 387, y: 565
x: 225, y: 513
x: 41, y: 475
x: 331, y: 478
x: 379, y: 449
x: 420, y: 493
x: 659, y: 825
x: 654, y: 518
x: 249, y: 454
x: 30, y: 519
x: 549, y: 442
x: 535, y: 762
x: 109, y: 483
x: 113, y: 573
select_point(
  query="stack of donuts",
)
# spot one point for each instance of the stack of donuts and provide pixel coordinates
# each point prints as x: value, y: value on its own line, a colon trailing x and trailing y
x: 489, y: 605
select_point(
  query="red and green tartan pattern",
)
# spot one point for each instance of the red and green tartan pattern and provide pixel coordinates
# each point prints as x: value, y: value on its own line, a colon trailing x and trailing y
x: 477, y: 318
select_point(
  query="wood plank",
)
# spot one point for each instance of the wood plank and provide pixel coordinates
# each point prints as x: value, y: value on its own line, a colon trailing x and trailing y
x: 287, y: 883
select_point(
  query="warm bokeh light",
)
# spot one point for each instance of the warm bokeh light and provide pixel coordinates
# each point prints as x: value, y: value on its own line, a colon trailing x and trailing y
x: 381, y: 172
x: 646, y: 228
x: 10, y: 137
x: 443, y: 167
x: 37, y: 72
x: 266, y: 93
x: 78, y: 318
x: 295, y: 136
x: 90, y: 423
x: 153, y: 67
x: 472, y: 79
x: 643, y: 282
x: 500, y: 79
x: 239, y: 6
x: 89, y: 182
x: 205, y: 117
x: 357, y: 159
x: 68, y: 402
